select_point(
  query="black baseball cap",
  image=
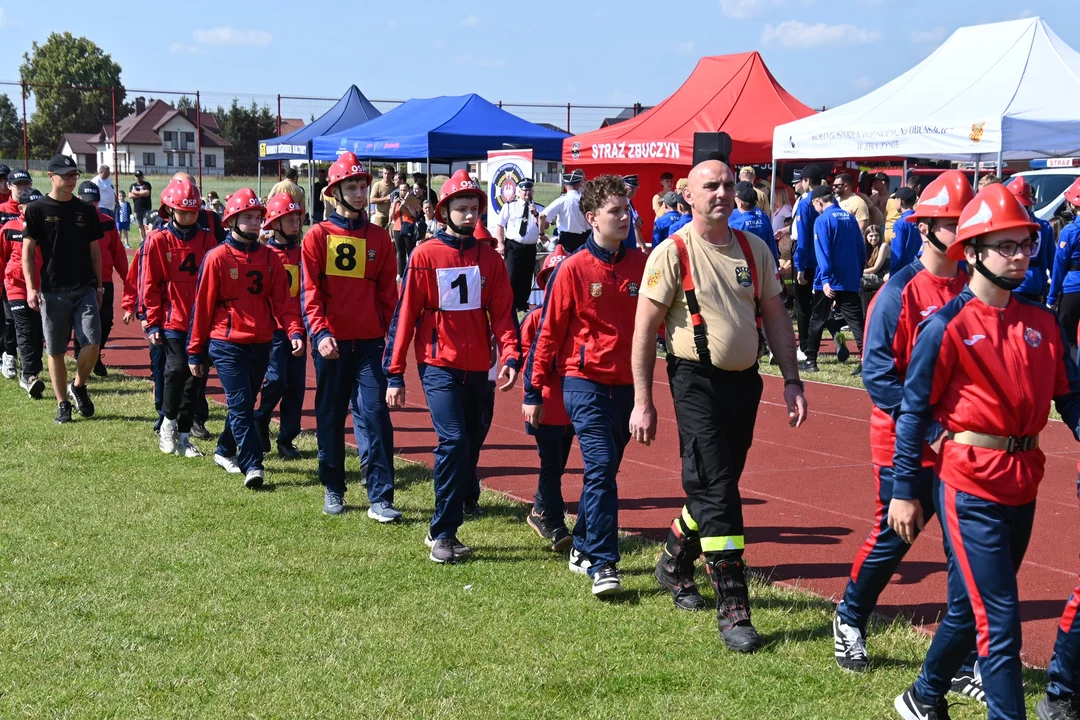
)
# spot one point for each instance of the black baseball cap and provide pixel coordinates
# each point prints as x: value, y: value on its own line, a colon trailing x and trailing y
x: 744, y: 190
x: 28, y: 195
x: 812, y: 173
x: 906, y: 195
x: 820, y: 191
x: 4, y: 170
x: 89, y: 192
x: 62, y: 165
x: 138, y: 173
x: 19, y: 176
x: 671, y: 199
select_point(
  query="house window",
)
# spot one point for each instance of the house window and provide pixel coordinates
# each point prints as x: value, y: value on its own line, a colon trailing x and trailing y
x: 168, y: 159
x: 170, y: 136
x: 148, y: 159
x: 183, y: 159
x: 189, y: 137
x: 210, y: 161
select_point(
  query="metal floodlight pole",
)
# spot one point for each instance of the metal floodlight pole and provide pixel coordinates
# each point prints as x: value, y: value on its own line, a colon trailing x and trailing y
x: 25, y: 134
x: 198, y: 135
x: 116, y: 168
x: 279, y: 134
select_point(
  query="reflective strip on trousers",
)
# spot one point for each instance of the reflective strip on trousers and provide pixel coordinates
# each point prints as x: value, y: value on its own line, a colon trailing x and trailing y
x: 722, y: 543
x: 688, y: 521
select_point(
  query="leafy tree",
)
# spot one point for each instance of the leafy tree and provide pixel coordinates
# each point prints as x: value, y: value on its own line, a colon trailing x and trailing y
x: 185, y: 103
x: 244, y: 127
x: 11, y: 138
x: 66, y: 60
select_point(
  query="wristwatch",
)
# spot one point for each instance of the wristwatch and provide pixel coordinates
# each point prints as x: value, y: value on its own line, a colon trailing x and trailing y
x: 796, y: 382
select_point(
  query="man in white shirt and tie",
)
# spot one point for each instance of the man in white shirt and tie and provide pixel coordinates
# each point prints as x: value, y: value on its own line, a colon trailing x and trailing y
x: 517, y: 234
x: 565, y: 212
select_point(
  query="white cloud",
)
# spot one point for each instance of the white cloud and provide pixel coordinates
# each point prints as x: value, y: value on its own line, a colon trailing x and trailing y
x: 799, y: 35
x: 863, y: 82
x: 232, y: 36
x: 182, y: 49
x: 932, y: 36
x: 471, y: 21
x: 470, y: 60
x: 686, y: 48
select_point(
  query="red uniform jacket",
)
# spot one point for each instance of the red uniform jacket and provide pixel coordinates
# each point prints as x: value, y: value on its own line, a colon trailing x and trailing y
x: 554, y: 409
x: 454, y: 295
x: 910, y: 296
x: 289, y: 255
x: 243, y: 295
x: 587, y: 327
x: 348, y: 280
x: 9, y: 209
x: 11, y: 239
x: 113, y: 254
x: 131, y: 301
x: 989, y: 370
x: 170, y: 274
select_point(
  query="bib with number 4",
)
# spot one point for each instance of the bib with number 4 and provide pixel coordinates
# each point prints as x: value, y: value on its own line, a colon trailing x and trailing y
x: 459, y: 288
x: 293, y: 273
x: 346, y: 256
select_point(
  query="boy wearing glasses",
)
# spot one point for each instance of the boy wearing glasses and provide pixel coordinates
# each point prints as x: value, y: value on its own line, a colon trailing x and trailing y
x: 984, y: 368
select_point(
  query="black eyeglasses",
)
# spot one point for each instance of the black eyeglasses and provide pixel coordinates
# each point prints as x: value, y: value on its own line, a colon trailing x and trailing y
x: 1008, y: 248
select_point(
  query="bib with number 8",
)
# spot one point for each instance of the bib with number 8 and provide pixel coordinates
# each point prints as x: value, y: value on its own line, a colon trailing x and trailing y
x: 459, y: 288
x: 346, y: 256
x: 293, y: 272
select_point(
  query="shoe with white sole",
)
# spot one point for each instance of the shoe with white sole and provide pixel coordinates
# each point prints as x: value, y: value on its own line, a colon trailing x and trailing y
x: 228, y: 464
x: 579, y: 562
x: 969, y: 684
x: 460, y: 548
x: 7, y: 366
x: 184, y: 448
x: 910, y: 707
x: 34, y: 386
x: 607, y: 581
x: 168, y: 437
x: 849, y: 646
x: 800, y: 356
x: 384, y: 512
x: 254, y: 478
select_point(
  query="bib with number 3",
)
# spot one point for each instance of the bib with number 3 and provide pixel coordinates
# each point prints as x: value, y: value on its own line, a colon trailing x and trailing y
x: 459, y: 288
x: 293, y: 273
x: 346, y: 256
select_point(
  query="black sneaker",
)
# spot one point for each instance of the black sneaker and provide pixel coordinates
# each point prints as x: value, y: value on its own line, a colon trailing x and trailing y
x: 809, y: 366
x: 99, y: 368
x: 460, y: 548
x: 857, y: 372
x: 288, y: 451
x: 842, y: 352
x: 198, y: 430
x: 909, y: 707
x: 607, y: 581
x: 81, y: 396
x: 472, y: 511
x: 1050, y: 709
x: 969, y: 684
x: 63, y: 413
x: 849, y: 646
x: 561, y: 539
x: 539, y: 524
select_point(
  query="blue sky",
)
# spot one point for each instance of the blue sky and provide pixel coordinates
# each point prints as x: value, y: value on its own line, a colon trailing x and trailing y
x: 557, y: 52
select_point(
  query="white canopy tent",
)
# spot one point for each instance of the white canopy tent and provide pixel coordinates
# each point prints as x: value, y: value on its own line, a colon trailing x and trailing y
x: 1004, y: 91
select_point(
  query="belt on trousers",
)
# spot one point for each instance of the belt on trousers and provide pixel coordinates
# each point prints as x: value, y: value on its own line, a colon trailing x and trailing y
x: 1010, y: 444
x: 1073, y: 267
x: 519, y: 243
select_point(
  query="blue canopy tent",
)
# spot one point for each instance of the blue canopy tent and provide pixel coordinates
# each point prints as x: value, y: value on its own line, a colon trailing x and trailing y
x: 447, y: 128
x: 352, y: 110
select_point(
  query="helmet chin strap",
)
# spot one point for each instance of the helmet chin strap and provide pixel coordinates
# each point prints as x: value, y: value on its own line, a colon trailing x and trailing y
x: 177, y: 225
x: 1004, y: 283
x: 463, y: 230
x: 341, y: 199
x: 932, y: 237
x: 248, y: 236
x: 289, y: 237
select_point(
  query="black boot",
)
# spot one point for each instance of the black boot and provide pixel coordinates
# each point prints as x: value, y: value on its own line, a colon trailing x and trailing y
x: 732, y: 604
x: 675, y: 569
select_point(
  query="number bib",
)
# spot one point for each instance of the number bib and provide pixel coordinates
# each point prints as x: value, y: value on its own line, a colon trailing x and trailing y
x: 346, y: 256
x: 293, y: 273
x: 459, y: 288
x: 183, y: 265
x: 250, y: 279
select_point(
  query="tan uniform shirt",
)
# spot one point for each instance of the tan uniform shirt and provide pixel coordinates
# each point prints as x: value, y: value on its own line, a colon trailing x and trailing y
x: 291, y: 189
x: 725, y: 293
x: 858, y: 208
x: 382, y: 188
x: 893, y: 211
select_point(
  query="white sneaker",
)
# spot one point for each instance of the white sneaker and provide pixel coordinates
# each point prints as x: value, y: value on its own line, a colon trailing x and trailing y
x: 7, y: 366
x: 579, y: 563
x: 168, y: 437
x: 33, y: 385
x: 227, y: 463
x: 800, y: 355
x: 255, y: 478
x: 186, y: 449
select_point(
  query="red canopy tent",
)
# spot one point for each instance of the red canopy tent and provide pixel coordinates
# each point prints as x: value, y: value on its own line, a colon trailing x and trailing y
x: 735, y: 94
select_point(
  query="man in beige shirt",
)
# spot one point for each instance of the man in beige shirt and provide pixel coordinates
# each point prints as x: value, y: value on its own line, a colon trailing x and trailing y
x: 381, y: 190
x: 844, y: 189
x: 667, y: 182
x: 290, y: 187
x: 715, y: 386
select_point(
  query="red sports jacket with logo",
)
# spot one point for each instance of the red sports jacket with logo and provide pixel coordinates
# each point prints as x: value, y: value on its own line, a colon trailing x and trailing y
x: 170, y: 273
x: 11, y: 239
x: 113, y: 254
x: 554, y: 408
x: 289, y: 255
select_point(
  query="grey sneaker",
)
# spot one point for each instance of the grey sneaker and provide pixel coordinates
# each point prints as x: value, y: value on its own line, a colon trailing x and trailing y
x: 442, y: 551
x: 383, y: 512
x: 460, y: 548
x: 254, y: 479
x: 168, y: 437
x: 334, y: 503
x: 7, y: 366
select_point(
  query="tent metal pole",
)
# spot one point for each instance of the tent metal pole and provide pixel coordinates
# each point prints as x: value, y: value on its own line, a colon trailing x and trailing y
x: 259, y: 165
x: 999, y: 163
x: 975, y: 183
x: 772, y: 186
x: 310, y: 182
x: 904, y: 178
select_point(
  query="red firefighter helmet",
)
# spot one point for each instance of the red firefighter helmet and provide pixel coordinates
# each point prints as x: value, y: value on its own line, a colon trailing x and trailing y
x: 240, y: 201
x: 1072, y: 195
x: 345, y: 167
x: 482, y: 234
x: 180, y: 195
x: 945, y: 197
x: 1019, y: 187
x: 557, y: 256
x: 994, y: 208
x: 459, y: 185
x: 280, y: 205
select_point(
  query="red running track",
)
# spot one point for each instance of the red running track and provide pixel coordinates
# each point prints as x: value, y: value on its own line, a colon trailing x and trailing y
x: 808, y: 494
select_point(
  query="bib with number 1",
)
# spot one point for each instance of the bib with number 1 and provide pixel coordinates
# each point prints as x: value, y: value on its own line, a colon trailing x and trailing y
x: 346, y: 256
x: 459, y: 288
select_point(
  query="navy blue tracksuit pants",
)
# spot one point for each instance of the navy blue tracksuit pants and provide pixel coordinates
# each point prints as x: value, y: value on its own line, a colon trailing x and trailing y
x: 240, y: 369
x: 553, y: 444
x: 1064, y: 670
x: 456, y: 401
x: 359, y: 434
x: 157, y: 373
x: 487, y: 414
x: 601, y: 418
x: 284, y: 383
x: 985, y: 543
x: 357, y: 371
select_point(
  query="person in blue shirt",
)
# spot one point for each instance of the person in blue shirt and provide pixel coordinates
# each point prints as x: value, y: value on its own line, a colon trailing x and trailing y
x: 802, y: 257
x: 633, y: 240
x: 906, y: 242
x: 685, y: 216
x: 751, y: 218
x: 841, y: 256
x: 1065, y: 280
x: 1037, y: 279
x: 662, y: 226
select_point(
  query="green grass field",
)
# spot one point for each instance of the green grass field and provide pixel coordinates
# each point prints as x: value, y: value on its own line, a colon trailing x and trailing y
x: 137, y: 585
